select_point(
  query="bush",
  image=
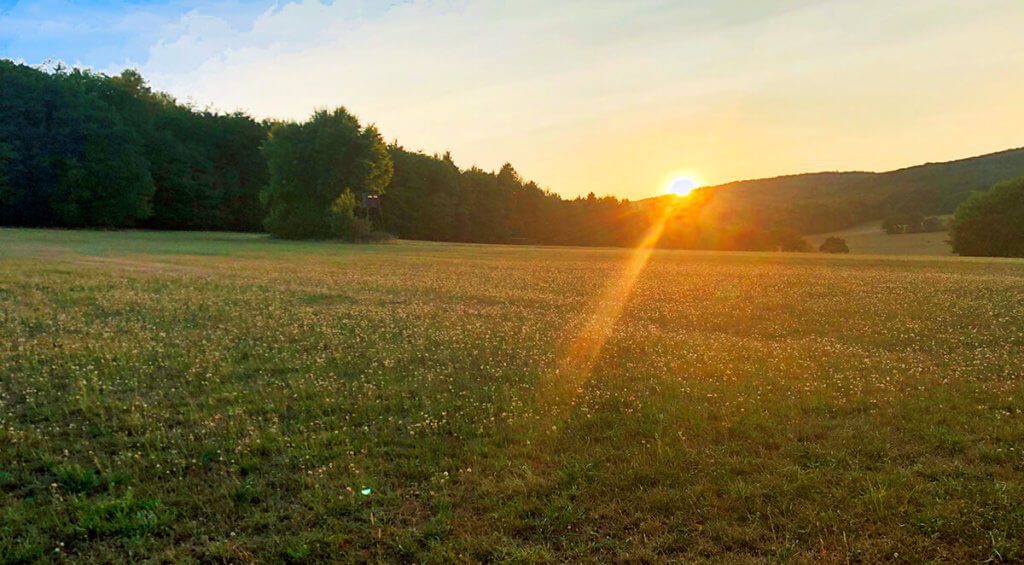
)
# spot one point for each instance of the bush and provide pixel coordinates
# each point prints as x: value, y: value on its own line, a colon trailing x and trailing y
x: 912, y: 223
x: 934, y: 224
x: 834, y: 245
x: 991, y: 223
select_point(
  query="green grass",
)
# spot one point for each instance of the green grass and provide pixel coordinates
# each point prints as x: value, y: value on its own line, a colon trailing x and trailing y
x: 211, y: 397
x: 869, y: 239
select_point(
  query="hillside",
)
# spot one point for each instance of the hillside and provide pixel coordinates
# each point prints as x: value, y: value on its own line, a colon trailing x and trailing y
x: 869, y: 239
x: 823, y: 202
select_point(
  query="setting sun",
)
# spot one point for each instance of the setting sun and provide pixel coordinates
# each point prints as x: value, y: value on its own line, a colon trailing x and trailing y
x: 681, y: 185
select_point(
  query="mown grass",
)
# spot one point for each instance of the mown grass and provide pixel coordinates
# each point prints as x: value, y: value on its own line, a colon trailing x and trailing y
x: 222, y: 397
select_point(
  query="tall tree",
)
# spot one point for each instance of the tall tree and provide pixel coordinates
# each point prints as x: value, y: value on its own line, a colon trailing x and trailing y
x: 314, y: 169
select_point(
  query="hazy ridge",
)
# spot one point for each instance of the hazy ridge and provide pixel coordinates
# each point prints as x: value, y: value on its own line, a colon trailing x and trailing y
x: 829, y: 201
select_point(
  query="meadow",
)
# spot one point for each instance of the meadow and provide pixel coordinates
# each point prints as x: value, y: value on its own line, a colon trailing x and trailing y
x: 869, y: 239
x: 224, y: 397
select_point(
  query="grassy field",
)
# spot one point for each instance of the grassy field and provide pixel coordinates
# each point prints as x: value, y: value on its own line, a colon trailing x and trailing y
x: 227, y: 397
x: 869, y: 239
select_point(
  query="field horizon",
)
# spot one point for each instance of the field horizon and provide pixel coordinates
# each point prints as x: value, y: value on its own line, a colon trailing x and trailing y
x: 183, y: 396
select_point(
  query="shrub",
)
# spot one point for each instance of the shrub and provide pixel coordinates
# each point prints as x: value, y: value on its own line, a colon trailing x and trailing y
x: 834, y: 245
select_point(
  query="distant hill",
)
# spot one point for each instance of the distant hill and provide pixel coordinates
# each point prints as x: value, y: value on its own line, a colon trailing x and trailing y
x: 823, y: 202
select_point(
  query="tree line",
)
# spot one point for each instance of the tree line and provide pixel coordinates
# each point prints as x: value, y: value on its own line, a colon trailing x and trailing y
x: 81, y: 149
x: 913, y: 223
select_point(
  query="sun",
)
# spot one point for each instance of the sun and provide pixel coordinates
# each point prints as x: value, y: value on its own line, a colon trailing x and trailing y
x: 681, y: 185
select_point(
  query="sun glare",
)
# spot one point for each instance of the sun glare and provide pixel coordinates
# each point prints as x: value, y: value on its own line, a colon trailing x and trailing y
x: 681, y: 186
x: 575, y: 367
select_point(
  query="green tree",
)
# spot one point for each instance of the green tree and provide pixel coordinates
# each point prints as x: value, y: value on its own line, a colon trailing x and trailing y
x: 425, y: 198
x: 38, y: 124
x: 7, y: 155
x: 834, y: 245
x: 84, y: 149
x: 991, y: 223
x: 315, y: 167
x: 103, y: 179
x: 207, y: 168
x: 108, y: 186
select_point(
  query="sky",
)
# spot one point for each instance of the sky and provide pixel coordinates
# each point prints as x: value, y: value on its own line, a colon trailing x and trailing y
x: 610, y: 97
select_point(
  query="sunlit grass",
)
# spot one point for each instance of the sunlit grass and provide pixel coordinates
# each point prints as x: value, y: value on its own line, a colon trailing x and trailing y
x: 577, y: 363
x: 225, y: 397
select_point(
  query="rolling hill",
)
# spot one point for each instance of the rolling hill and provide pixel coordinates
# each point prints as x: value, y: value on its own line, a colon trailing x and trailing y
x: 816, y: 203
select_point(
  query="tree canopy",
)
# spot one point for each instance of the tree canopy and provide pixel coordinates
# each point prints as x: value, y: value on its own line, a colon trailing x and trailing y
x: 834, y: 245
x: 81, y: 149
x: 315, y: 169
x: 991, y: 223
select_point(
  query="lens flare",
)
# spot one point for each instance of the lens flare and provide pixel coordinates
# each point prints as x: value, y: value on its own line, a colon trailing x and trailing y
x: 575, y: 367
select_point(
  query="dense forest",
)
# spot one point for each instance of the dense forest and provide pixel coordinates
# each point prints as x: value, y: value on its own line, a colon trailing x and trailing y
x: 81, y: 149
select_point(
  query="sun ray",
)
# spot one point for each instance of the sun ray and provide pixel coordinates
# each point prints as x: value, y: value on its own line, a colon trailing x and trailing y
x: 577, y: 364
